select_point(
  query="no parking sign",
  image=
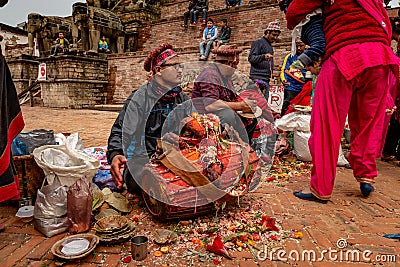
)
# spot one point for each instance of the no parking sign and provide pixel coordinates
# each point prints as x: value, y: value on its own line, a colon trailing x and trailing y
x: 275, y: 99
x: 42, y: 72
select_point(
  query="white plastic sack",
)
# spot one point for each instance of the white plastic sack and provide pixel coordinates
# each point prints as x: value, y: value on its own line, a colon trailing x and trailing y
x: 74, y: 143
x: 60, y: 139
x: 69, y: 165
x: 50, y: 212
x: 300, y: 145
x: 342, y: 161
x: 302, y: 151
x: 294, y: 121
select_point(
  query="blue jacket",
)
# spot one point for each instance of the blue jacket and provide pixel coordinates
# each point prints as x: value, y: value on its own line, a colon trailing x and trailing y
x: 294, y: 85
x: 214, y: 33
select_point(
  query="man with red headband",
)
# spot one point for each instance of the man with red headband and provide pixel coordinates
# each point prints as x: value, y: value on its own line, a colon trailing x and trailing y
x: 358, y: 71
x: 134, y: 135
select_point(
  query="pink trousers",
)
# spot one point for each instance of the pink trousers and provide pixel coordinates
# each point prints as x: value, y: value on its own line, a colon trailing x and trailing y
x: 364, y: 99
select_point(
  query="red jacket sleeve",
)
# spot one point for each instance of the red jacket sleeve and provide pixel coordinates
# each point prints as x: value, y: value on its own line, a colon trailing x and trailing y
x: 298, y: 10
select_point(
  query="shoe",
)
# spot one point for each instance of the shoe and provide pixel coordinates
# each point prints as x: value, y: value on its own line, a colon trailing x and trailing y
x: 296, y: 74
x: 202, y: 58
x: 184, y: 25
x: 203, y: 22
x: 297, y: 64
x: 366, y: 189
x: 309, y: 197
x: 193, y: 24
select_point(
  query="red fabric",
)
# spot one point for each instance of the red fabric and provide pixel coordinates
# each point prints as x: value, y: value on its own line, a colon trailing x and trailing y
x: 354, y: 58
x: 303, y: 98
x: 345, y: 21
x: 10, y: 191
x: 366, y: 92
x: 15, y: 128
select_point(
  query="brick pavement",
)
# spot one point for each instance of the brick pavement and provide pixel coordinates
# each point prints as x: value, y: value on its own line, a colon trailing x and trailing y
x: 360, y: 221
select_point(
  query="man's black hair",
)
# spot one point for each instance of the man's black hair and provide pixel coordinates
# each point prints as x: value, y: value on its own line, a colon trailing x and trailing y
x: 224, y: 20
x: 210, y: 19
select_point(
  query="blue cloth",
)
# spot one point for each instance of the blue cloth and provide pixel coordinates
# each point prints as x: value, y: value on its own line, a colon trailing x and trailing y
x: 313, y: 35
x: 294, y: 85
x: 392, y: 236
x: 18, y: 148
x: 103, y: 179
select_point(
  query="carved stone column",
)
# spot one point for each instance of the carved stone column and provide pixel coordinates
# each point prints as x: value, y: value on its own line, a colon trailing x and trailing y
x: 120, y: 44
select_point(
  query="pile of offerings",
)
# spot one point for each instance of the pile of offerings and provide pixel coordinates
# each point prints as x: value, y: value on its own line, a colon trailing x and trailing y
x: 193, y: 172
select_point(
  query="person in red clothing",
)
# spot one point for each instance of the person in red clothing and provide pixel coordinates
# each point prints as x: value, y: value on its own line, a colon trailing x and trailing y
x: 358, y: 71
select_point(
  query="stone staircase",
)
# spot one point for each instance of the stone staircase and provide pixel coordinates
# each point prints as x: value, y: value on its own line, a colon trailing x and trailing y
x: 248, y: 23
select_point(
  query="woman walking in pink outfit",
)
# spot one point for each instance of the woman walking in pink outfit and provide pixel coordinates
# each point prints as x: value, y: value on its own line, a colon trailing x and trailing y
x: 358, y: 71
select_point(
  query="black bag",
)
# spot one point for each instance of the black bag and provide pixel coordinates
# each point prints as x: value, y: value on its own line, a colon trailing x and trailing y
x: 37, y: 138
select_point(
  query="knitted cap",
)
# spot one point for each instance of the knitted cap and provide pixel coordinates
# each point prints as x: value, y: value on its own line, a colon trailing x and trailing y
x: 274, y: 26
x: 227, y: 52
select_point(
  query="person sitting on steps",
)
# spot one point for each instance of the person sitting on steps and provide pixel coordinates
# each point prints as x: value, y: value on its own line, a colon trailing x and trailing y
x: 224, y: 35
x: 189, y: 13
x: 202, y: 5
x: 210, y: 33
x: 230, y: 3
x: 103, y: 45
x: 61, y: 45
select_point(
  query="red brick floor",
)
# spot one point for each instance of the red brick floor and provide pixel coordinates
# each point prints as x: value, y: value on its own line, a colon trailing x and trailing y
x: 360, y: 221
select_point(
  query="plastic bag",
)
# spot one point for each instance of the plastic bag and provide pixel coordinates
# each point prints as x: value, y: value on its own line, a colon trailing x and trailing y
x: 342, y: 161
x: 69, y: 165
x: 300, y: 145
x: 50, y: 212
x: 294, y: 121
x: 37, y: 138
x: 18, y: 148
x: 79, y: 206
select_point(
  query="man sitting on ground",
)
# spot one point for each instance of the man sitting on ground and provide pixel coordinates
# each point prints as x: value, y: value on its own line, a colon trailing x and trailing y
x: 213, y: 92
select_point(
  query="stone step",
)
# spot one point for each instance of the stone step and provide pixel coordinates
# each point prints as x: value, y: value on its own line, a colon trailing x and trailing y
x: 111, y: 107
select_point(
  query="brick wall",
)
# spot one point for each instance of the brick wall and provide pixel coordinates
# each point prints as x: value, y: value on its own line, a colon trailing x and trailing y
x: 177, y: 8
x: 74, y: 81
x: 129, y: 72
x: 248, y: 22
x: 73, y: 93
x: 23, y: 70
x: 244, y: 21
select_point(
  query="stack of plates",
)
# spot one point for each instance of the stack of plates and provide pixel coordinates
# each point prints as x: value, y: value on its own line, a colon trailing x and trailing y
x: 114, y: 229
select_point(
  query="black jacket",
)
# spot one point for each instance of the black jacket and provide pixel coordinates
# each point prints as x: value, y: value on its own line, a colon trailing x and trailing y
x: 140, y: 123
x: 224, y: 34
